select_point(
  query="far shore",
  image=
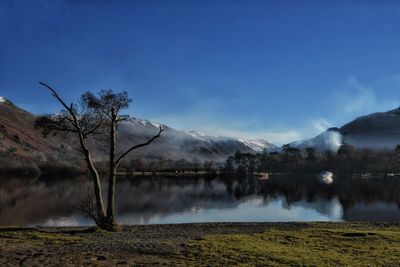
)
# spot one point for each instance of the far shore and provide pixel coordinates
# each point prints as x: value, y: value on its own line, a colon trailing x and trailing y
x: 187, y: 174
x: 205, y: 244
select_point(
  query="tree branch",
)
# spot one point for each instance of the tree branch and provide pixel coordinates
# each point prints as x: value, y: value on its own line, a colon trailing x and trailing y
x: 54, y: 93
x: 138, y: 146
x: 94, y: 129
x: 70, y: 109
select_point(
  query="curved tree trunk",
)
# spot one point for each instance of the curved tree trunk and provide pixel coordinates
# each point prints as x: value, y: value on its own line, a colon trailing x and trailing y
x: 96, y: 185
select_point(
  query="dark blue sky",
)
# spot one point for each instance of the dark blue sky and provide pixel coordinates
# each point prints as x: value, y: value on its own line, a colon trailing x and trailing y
x: 280, y: 70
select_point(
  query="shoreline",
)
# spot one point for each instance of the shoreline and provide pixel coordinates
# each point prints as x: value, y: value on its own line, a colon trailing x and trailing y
x: 202, y: 244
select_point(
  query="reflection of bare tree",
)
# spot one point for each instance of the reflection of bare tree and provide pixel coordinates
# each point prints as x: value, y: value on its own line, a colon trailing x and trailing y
x: 26, y: 201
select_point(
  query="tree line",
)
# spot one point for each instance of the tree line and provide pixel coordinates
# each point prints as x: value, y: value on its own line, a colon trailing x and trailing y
x: 347, y: 160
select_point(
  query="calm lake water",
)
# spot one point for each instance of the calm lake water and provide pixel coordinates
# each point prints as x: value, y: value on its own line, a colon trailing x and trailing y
x: 54, y: 202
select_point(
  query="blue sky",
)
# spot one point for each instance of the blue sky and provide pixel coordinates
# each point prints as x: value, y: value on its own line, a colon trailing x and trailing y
x: 280, y: 70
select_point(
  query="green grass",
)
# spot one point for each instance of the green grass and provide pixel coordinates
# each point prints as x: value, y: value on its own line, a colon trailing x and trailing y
x: 29, y: 235
x: 308, y: 244
x: 313, y: 246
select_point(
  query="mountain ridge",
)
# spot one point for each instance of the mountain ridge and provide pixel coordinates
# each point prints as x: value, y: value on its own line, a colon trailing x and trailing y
x: 17, y: 131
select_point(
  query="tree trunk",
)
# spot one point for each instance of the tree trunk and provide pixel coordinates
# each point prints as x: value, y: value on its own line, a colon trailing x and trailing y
x: 112, y: 174
x: 96, y: 185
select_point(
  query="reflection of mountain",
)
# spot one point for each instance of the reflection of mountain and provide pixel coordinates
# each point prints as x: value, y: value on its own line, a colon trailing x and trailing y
x: 17, y: 131
x: 24, y: 201
x: 145, y: 199
x: 383, y: 212
x: 156, y: 200
x: 331, y: 208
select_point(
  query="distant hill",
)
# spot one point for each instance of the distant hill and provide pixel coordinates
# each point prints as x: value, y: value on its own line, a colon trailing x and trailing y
x: 330, y: 140
x: 377, y: 131
x: 17, y: 133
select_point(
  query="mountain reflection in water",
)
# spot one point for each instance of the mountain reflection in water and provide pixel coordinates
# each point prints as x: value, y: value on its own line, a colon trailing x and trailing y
x: 25, y: 201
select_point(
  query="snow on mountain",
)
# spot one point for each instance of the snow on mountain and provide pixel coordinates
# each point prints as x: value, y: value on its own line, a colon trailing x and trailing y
x: 257, y: 145
x: 330, y: 140
x: 145, y: 122
x: 198, y: 135
x: 172, y: 144
x: 380, y: 130
x: 189, y: 144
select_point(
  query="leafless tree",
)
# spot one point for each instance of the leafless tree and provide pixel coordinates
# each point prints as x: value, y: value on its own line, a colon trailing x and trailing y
x: 94, y: 115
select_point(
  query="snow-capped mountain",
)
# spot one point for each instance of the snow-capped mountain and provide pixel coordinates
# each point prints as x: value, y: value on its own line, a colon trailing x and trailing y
x: 258, y: 145
x: 377, y: 131
x: 183, y: 144
x: 17, y: 131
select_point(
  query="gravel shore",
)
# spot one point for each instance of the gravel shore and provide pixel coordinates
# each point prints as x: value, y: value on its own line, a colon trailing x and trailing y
x: 140, y: 245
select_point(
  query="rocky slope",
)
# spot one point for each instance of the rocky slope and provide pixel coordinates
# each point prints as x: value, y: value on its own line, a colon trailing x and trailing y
x: 18, y: 135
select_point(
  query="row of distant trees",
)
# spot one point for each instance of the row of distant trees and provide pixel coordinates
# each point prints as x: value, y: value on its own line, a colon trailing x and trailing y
x: 12, y: 163
x: 182, y: 166
x: 347, y: 159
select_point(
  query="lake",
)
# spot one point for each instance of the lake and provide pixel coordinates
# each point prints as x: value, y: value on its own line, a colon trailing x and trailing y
x: 157, y: 200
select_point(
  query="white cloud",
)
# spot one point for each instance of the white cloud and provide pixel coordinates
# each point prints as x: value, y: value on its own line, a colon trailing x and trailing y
x: 343, y: 104
x: 321, y: 124
x: 210, y: 122
x: 357, y: 98
x: 354, y: 97
x: 276, y: 137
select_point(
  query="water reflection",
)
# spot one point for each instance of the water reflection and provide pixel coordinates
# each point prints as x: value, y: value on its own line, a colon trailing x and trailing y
x: 179, y: 200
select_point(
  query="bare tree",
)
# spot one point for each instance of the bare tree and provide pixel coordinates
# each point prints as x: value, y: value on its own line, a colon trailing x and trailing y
x: 94, y: 115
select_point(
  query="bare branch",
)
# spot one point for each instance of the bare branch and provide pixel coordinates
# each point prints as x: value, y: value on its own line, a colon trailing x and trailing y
x: 138, y: 146
x: 69, y: 119
x: 94, y: 129
x: 54, y: 93
x: 70, y: 109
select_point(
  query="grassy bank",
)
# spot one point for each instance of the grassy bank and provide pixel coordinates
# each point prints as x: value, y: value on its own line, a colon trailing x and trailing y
x: 222, y: 244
